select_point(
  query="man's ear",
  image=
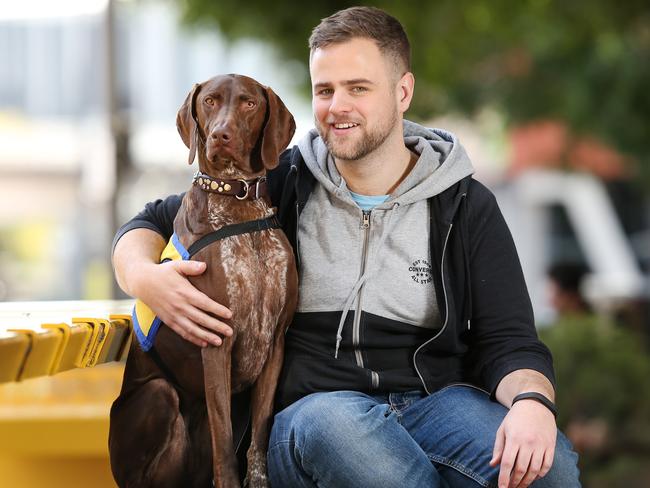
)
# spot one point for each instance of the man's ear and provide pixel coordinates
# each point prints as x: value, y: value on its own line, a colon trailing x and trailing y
x: 277, y: 131
x: 186, y: 122
x: 405, y: 87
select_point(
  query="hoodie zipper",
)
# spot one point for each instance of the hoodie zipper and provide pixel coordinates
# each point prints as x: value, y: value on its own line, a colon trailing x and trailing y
x: 297, y: 224
x: 444, y: 326
x: 356, y: 325
x: 444, y: 291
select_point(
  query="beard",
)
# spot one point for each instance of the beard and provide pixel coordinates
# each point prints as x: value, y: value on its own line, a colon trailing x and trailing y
x: 367, y: 142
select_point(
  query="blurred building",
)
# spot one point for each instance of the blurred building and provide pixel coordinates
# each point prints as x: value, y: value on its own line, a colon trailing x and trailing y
x: 88, y: 101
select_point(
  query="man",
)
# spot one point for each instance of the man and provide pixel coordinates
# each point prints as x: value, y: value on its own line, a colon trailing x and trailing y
x: 409, y: 286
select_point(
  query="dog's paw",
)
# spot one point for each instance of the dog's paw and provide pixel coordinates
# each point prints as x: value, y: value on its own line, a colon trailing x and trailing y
x: 253, y: 481
x: 256, y: 475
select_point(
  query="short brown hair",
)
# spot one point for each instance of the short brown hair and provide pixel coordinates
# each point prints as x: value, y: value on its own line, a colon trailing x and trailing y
x: 368, y: 22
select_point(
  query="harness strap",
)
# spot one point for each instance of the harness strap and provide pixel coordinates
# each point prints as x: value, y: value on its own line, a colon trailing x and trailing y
x: 233, y: 230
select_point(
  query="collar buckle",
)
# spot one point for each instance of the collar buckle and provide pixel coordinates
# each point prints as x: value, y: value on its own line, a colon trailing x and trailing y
x: 246, y: 188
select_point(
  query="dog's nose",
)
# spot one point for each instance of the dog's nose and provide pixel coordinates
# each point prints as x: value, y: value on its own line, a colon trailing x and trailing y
x: 222, y: 135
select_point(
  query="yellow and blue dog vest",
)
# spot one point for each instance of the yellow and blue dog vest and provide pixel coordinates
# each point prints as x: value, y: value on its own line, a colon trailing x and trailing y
x: 145, y: 322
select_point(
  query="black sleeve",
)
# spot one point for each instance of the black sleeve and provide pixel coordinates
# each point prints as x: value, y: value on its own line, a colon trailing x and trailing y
x: 158, y: 216
x: 504, y: 338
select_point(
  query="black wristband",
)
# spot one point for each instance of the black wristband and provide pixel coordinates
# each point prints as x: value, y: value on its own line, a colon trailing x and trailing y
x: 532, y: 395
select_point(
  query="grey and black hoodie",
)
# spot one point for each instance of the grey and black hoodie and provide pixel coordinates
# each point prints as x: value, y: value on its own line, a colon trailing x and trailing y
x: 423, y: 291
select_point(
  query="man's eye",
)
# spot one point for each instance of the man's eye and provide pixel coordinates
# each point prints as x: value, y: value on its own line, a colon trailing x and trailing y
x: 359, y: 89
x: 324, y: 92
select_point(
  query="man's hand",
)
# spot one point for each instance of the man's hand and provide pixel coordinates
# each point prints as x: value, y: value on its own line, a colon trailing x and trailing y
x: 166, y: 289
x: 525, y: 444
x: 184, y: 309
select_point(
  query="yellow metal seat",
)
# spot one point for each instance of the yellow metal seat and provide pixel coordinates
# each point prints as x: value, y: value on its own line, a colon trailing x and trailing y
x: 13, y: 350
x: 73, y: 345
x: 42, y: 350
x: 118, y: 340
x: 46, y: 338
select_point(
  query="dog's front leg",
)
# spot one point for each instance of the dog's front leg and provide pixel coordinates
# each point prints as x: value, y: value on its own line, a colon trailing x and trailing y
x: 262, y: 411
x: 216, y: 371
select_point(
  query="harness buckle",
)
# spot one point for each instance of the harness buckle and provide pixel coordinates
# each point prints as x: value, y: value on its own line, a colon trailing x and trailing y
x: 257, y: 186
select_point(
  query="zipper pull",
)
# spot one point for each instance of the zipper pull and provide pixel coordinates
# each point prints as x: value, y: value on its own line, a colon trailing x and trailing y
x: 365, y: 222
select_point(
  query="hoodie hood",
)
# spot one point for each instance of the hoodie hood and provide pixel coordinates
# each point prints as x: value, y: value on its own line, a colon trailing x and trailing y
x: 442, y: 163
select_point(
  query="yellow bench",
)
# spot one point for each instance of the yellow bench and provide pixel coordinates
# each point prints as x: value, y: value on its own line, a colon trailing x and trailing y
x: 45, y: 338
x: 59, y: 374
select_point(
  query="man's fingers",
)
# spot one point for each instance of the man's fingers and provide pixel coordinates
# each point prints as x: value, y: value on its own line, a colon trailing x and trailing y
x: 189, y: 268
x: 205, y: 303
x: 548, y: 462
x: 499, y: 443
x: 533, y: 470
x: 192, y: 332
x: 521, y: 466
x: 197, y: 298
x: 184, y: 329
x: 507, y: 464
x: 205, y: 321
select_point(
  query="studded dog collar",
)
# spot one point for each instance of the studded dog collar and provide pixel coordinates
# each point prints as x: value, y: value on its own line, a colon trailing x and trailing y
x: 240, y: 188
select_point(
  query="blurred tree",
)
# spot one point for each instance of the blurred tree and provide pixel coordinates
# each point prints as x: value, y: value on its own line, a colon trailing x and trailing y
x: 603, y: 398
x: 585, y: 62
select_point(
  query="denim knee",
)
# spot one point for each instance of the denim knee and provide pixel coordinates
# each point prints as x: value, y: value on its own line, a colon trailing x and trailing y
x: 344, y: 439
x: 318, y: 413
x: 325, y: 416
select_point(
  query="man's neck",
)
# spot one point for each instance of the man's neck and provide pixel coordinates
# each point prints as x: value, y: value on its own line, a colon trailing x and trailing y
x: 381, y: 171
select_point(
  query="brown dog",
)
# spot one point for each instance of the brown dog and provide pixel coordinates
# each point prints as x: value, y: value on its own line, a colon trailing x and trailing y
x: 161, y: 433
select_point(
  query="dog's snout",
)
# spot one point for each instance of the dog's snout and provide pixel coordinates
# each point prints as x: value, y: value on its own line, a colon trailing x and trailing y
x: 222, y: 135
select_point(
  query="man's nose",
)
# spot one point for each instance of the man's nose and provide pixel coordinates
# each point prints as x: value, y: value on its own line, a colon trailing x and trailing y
x: 340, y: 103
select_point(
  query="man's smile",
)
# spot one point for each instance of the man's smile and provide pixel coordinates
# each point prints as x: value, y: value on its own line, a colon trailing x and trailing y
x: 343, y: 128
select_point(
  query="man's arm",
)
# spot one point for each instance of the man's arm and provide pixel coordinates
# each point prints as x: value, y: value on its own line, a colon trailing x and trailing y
x: 509, y: 357
x: 166, y: 289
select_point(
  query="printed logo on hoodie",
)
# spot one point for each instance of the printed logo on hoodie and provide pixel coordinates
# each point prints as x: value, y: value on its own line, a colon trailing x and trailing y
x: 421, y: 271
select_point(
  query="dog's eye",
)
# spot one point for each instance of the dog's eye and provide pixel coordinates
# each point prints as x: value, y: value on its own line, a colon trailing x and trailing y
x: 250, y: 103
x: 209, y: 100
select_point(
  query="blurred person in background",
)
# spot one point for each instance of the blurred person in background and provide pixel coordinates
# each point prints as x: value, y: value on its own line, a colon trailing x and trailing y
x: 374, y: 397
x: 566, y: 297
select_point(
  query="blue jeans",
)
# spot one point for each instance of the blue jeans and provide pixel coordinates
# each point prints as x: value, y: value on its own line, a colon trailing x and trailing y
x: 347, y: 439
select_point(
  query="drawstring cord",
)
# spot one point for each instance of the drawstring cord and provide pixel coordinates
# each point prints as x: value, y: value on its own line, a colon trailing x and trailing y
x: 362, y: 279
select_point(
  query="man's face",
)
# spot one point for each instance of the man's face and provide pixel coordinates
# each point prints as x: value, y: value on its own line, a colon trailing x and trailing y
x: 354, y: 97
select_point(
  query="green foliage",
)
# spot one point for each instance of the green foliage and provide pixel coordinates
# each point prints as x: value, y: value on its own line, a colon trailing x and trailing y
x: 603, y: 374
x: 586, y: 62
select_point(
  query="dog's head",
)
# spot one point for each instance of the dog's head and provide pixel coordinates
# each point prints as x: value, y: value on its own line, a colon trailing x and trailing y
x: 237, y: 126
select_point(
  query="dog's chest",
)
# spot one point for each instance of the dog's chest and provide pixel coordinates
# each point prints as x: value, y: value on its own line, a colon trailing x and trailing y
x: 254, y: 267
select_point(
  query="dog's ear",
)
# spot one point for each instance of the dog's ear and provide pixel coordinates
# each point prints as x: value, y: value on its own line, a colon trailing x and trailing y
x: 186, y: 122
x: 277, y: 131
